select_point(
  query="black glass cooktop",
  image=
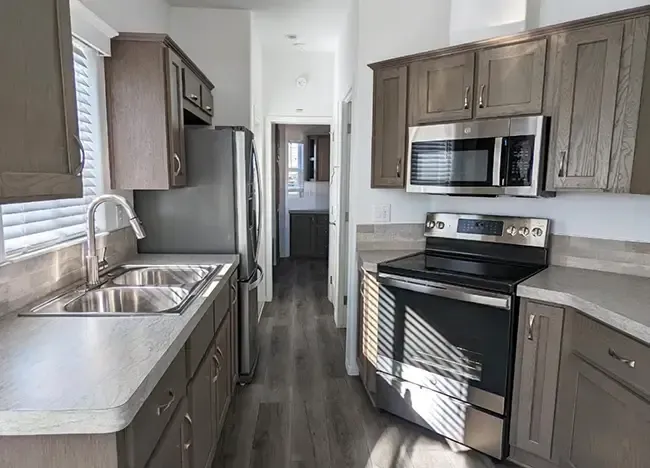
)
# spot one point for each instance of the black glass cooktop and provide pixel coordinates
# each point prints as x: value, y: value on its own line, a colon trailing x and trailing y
x: 480, y: 274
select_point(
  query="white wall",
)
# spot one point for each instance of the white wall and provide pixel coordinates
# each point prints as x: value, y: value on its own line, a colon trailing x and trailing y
x: 219, y: 42
x: 559, y: 11
x: 283, y: 97
x: 473, y: 20
x: 132, y: 15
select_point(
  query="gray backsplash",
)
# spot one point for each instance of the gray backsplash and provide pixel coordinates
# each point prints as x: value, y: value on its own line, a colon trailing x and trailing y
x: 26, y: 280
x: 390, y: 236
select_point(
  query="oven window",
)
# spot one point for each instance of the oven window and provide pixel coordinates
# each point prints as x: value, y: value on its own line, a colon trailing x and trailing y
x: 453, y: 163
x: 520, y: 152
x: 462, y: 345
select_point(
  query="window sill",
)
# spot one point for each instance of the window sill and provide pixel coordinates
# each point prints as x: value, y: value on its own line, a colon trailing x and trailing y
x: 17, y: 258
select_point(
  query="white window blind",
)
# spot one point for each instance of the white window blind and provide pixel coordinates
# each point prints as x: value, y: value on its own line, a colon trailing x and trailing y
x: 35, y: 225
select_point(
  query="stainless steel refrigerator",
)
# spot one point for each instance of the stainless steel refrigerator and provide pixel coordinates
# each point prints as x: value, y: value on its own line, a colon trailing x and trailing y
x: 219, y: 211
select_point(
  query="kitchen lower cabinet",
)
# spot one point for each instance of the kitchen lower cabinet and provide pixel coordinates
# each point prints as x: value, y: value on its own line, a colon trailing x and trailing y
x: 605, y: 424
x: 200, y: 401
x: 537, y: 370
x: 221, y: 376
x: 173, y: 450
x: 368, y: 330
x: 309, y: 235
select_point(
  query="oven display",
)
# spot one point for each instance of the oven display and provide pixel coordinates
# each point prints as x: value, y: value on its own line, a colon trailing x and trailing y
x: 481, y: 227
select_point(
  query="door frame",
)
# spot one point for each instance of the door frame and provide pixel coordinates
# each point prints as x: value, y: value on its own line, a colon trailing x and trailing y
x: 268, y: 176
x: 341, y: 237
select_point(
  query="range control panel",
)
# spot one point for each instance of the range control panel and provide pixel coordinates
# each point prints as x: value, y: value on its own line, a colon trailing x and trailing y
x: 532, y: 232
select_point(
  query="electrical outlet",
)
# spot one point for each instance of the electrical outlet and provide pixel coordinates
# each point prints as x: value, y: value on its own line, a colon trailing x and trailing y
x: 381, y: 213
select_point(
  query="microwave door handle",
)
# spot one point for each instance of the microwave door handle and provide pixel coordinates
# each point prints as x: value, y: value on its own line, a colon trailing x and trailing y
x: 500, y: 301
x: 498, y: 160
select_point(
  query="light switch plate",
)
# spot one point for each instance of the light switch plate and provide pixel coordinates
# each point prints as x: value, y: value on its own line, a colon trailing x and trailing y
x: 381, y: 213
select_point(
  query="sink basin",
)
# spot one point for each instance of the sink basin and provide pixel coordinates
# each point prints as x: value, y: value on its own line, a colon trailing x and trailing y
x: 128, y: 301
x: 163, y: 276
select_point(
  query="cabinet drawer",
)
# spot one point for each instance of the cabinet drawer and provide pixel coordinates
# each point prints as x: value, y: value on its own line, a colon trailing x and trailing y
x: 145, y: 430
x: 191, y: 87
x: 207, y: 101
x: 616, y: 353
x: 199, y: 341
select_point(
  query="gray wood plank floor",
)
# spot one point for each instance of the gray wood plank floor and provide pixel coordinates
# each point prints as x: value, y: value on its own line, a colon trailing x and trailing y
x: 303, y: 411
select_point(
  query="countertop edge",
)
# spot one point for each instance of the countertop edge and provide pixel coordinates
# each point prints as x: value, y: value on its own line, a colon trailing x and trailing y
x: 616, y: 320
x: 115, y: 419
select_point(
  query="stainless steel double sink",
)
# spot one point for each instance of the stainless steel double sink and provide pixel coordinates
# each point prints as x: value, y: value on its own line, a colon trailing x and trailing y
x: 133, y: 290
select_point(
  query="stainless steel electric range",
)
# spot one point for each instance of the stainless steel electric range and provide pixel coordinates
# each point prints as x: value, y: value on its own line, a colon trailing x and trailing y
x: 448, y: 322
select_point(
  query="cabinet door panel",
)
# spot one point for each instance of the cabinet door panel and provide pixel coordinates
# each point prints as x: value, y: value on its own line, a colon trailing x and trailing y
x: 585, y: 111
x: 389, y: 128
x: 301, y: 238
x: 323, y: 158
x: 173, y: 447
x: 40, y: 154
x: 608, y: 425
x: 201, y: 405
x: 176, y: 129
x: 540, y: 330
x: 441, y: 89
x: 511, y: 80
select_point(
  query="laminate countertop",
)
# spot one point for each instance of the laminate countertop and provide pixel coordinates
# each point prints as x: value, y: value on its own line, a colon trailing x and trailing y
x: 73, y: 375
x: 620, y: 301
x: 369, y: 259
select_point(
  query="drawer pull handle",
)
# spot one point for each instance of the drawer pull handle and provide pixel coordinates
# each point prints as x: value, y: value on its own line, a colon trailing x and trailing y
x: 398, y: 168
x: 220, y: 352
x: 194, y: 97
x: 466, y: 103
x: 481, y: 101
x: 162, y: 408
x: 188, y: 444
x: 628, y: 362
x: 208, y: 108
x: 531, y: 324
x: 217, y: 368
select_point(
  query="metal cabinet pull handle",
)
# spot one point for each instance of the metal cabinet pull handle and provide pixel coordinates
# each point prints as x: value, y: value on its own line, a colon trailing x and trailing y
x: 194, y: 97
x: 162, y: 408
x: 82, y: 164
x: 628, y: 362
x: 481, y: 102
x: 220, y: 353
x: 399, y: 168
x: 466, y: 104
x: 208, y: 108
x: 177, y: 161
x: 562, y: 171
x: 531, y: 324
x: 218, y: 368
x: 188, y: 444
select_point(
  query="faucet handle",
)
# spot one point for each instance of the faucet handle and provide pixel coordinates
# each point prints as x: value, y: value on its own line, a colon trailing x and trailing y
x: 103, y: 263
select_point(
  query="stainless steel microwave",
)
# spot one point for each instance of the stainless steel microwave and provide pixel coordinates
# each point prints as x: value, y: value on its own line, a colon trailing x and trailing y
x: 488, y: 157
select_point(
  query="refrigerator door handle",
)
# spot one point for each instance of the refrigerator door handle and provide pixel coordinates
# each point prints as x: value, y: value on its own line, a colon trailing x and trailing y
x: 258, y: 180
x: 260, y: 277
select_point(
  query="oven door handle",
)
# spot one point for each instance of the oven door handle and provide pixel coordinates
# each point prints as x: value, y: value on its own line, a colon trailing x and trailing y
x: 475, y: 296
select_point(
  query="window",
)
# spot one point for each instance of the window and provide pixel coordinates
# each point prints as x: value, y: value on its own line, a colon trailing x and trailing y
x: 35, y: 225
x: 295, y: 176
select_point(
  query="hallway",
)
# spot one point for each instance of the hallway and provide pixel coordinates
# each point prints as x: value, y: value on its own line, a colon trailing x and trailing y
x: 303, y: 411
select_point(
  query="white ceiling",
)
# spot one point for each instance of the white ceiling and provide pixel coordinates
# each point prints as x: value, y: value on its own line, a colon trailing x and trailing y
x: 317, y: 23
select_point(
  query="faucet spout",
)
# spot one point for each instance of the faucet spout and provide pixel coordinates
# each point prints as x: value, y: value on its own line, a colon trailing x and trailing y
x: 92, y: 262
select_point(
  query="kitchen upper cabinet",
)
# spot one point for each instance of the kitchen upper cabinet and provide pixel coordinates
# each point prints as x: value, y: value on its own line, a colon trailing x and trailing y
x: 153, y: 89
x: 536, y: 378
x: 441, y: 89
x: 40, y: 155
x: 589, y: 65
x: 389, y: 128
x: 605, y: 425
x: 322, y: 158
x: 511, y: 80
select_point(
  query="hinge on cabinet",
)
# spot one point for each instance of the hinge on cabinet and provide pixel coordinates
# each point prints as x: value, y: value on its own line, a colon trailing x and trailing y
x: 347, y: 216
x: 349, y: 128
x: 345, y: 300
x: 331, y: 280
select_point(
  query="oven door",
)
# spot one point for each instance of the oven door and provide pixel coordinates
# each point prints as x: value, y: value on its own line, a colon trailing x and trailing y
x: 461, y: 159
x: 452, y: 340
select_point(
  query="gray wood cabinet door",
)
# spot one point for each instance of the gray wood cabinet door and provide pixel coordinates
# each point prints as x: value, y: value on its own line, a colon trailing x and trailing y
x: 200, y: 401
x: 581, y: 141
x: 173, y: 449
x: 389, y: 128
x: 441, y: 89
x: 176, y: 130
x: 300, y: 234
x: 539, y: 346
x: 40, y: 154
x: 221, y: 374
x: 323, y: 158
x: 511, y: 80
x: 604, y: 424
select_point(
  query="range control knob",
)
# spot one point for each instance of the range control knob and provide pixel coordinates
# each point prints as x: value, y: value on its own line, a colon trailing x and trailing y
x: 440, y: 225
x: 512, y: 230
x: 430, y: 224
x: 538, y: 232
x: 524, y: 231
